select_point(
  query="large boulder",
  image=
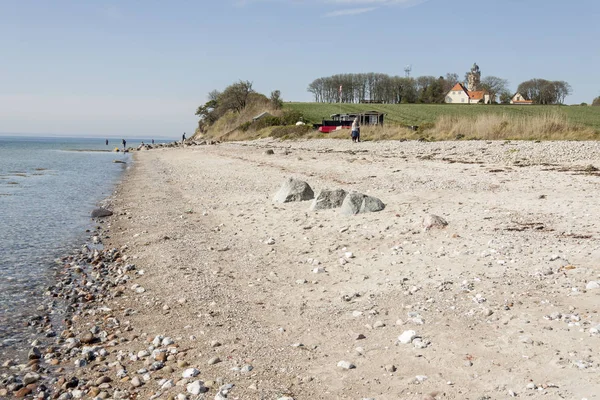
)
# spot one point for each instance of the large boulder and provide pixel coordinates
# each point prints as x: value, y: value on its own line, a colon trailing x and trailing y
x: 358, y: 203
x: 293, y: 190
x: 101, y: 212
x: 327, y: 199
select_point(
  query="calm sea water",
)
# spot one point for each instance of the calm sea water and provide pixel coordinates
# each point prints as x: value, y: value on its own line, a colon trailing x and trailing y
x: 48, y: 188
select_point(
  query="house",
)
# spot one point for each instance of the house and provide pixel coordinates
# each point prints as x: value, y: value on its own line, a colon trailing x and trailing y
x: 344, y: 121
x: 364, y: 118
x: 461, y: 95
x: 471, y: 94
x: 518, y: 98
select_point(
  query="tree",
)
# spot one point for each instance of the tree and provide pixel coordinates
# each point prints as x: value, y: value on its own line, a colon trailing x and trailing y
x: 596, y: 101
x: 276, y: 102
x: 494, y: 86
x: 505, y: 97
x: 542, y: 91
x: 235, y: 96
x: 451, y: 79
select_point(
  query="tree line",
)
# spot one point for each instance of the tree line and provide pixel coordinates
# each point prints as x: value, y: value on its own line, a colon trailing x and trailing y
x: 377, y: 87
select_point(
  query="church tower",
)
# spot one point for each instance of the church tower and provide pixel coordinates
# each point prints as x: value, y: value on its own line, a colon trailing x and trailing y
x: 474, y: 78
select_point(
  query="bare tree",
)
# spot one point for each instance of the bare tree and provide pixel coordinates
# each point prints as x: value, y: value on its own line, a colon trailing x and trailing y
x: 494, y: 86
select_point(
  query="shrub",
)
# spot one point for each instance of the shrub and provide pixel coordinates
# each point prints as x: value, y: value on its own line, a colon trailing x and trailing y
x: 290, y: 117
x: 245, y: 126
x: 290, y: 131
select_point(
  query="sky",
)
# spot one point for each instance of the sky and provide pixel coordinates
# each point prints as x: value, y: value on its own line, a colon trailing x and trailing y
x: 141, y: 68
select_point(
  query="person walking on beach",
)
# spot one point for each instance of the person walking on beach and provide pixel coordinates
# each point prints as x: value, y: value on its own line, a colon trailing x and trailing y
x: 124, y: 144
x: 183, y: 138
x: 355, y: 130
x: 152, y: 141
x: 107, y: 142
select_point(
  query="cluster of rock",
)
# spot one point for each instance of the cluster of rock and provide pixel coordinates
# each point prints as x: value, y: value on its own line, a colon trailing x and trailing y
x: 349, y: 203
x: 80, y: 359
x: 185, y: 143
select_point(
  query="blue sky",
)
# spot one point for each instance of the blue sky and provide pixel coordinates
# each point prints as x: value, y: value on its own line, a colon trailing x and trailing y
x: 140, y: 68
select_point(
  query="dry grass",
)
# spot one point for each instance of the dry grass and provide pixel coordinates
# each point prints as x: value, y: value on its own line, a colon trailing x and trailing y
x: 371, y: 133
x: 225, y: 127
x: 550, y: 126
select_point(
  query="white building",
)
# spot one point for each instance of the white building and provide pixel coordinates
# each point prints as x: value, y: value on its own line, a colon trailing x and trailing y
x: 460, y: 95
x: 518, y: 98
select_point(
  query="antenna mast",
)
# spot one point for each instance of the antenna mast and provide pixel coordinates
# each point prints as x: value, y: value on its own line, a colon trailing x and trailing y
x: 407, y: 70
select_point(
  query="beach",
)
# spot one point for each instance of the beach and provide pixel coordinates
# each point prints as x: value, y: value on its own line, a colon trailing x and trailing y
x: 210, y: 283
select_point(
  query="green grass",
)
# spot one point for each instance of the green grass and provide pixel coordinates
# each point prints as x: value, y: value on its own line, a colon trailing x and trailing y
x: 418, y: 114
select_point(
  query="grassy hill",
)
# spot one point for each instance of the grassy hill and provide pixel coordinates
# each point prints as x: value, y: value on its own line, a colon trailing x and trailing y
x: 419, y: 114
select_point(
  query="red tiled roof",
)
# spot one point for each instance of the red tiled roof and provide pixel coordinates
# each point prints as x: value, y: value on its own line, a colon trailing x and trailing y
x: 476, y: 95
x: 457, y: 87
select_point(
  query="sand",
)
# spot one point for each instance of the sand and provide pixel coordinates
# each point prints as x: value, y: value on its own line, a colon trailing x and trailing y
x: 498, y: 297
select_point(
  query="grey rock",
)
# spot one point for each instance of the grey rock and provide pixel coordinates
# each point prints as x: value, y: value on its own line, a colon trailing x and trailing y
x: 34, y: 354
x: 293, y: 190
x: 30, y: 377
x: 592, y: 285
x: 327, y: 199
x: 190, y: 373
x: 101, y: 212
x: 196, y: 387
x: 407, y: 337
x: 433, y: 221
x: 346, y: 365
x: 214, y: 360
x: 269, y: 152
x: 247, y: 368
x: 136, y: 382
x: 224, y: 391
x: 358, y: 203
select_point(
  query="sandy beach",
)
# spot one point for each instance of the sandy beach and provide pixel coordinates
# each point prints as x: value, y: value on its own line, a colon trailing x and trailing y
x: 284, y: 302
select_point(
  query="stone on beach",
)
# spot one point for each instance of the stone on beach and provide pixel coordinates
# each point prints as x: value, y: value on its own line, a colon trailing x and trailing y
x: 407, y: 337
x: 592, y: 285
x: 101, y: 212
x: 346, y: 365
x: 327, y: 199
x: 196, y: 387
x: 433, y: 221
x: 293, y: 190
x: 358, y: 203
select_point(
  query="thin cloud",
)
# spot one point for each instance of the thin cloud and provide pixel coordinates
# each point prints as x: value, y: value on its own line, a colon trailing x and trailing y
x: 378, y: 2
x: 349, y: 11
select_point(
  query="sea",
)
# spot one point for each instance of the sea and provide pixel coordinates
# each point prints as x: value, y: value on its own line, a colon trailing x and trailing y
x: 48, y: 189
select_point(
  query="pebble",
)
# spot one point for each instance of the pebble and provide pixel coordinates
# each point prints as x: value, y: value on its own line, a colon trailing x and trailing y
x: 34, y: 354
x: 247, y: 368
x: 190, y: 373
x: 135, y: 382
x: 196, y: 387
x: 214, y: 360
x: 390, y: 368
x: 346, y: 365
x: 592, y: 285
x: 378, y: 324
x: 30, y: 377
x: 407, y: 337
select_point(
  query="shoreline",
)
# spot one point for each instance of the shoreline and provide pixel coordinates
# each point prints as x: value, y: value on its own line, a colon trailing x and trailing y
x: 193, y: 287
